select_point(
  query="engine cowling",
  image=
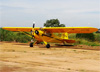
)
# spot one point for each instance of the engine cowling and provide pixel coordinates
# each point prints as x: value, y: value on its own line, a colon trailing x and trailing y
x: 37, y: 32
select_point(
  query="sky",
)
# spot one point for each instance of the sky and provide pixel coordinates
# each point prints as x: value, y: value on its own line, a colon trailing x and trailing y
x: 72, y: 13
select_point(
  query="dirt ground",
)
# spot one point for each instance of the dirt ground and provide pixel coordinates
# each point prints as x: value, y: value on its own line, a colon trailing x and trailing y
x: 19, y: 57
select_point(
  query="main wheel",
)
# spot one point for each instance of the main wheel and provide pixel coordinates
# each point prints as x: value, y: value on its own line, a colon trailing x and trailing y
x: 31, y: 44
x: 48, y: 46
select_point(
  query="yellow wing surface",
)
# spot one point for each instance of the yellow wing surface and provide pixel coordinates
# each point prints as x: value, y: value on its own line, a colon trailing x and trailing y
x: 55, y: 29
x: 26, y: 29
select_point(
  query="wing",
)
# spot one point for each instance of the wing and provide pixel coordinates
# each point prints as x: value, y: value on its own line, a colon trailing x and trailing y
x: 70, y: 29
x: 55, y: 29
x: 26, y: 29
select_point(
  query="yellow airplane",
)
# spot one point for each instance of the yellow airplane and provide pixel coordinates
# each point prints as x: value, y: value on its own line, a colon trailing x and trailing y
x: 47, y: 35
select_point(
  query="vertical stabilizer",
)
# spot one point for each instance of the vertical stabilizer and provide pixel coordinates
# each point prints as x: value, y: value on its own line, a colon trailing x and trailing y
x: 64, y: 36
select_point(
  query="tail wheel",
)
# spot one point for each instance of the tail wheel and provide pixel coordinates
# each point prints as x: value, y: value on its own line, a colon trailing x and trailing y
x: 31, y: 44
x: 48, y: 46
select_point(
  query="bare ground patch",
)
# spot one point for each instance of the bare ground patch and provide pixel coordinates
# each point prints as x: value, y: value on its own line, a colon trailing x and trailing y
x: 19, y: 57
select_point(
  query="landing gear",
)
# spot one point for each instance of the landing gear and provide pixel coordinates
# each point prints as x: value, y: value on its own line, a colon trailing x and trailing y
x: 48, y: 46
x: 31, y: 44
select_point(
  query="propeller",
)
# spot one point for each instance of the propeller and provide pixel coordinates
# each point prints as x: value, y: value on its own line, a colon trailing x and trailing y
x: 33, y: 25
x: 32, y: 31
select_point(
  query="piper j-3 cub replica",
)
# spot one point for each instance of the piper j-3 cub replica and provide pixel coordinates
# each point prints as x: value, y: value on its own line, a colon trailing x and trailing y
x: 47, y: 35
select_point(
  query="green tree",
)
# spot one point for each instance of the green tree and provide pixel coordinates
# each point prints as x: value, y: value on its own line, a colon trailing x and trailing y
x: 53, y: 23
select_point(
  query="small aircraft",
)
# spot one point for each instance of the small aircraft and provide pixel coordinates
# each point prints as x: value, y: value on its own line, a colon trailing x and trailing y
x: 47, y: 36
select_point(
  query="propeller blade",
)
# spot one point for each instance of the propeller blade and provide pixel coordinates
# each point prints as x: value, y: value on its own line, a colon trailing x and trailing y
x: 32, y: 31
x: 33, y: 25
x: 32, y: 36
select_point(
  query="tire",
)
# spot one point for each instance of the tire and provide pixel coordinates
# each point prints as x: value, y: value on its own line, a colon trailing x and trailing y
x: 31, y: 44
x: 48, y: 46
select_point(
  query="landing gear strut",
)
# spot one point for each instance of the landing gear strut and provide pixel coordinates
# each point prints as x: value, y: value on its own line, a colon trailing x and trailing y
x: 48, y: 46
x: 31, y: 44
